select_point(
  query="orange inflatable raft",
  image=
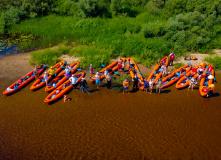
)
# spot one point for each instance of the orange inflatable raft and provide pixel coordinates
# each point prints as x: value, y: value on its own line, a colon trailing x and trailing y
x: 41, y: 82
x: 112, y: 67
x: 61, y: 78
x: 176, y: 75
x: 57, y: 93
x: 23, y: 81
x: 206, y: 81
x: 133, y: 69
x: 185, y: 80
x: 157, y: 72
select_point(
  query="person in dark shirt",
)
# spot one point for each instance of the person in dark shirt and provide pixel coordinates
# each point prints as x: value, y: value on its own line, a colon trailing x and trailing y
x: 135, y: 81
x: 146, y: 85
x: 83, y: 84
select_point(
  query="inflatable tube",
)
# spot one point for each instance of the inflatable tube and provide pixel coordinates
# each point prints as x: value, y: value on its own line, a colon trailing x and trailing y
x: 157, y: 73
x: 61, y: 78
x: 175, y: 76
x: 28, y: 78
x: 40, y: 82
x: 53, y: 95
x: 113, y: 66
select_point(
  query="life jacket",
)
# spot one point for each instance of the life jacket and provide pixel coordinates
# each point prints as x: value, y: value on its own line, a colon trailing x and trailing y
x: 159, y: 63
x: 172, y: 56
x: 65, y: 97
x: 126, y: 84
x: 210, y: 68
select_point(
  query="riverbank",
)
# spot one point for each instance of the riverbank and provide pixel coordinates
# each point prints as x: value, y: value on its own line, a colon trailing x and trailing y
x: 17, y: 65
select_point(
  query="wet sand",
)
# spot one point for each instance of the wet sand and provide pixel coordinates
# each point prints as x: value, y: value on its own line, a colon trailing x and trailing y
x: 110, y: 125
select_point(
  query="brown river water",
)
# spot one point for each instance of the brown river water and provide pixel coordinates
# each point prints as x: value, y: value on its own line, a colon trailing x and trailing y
x: 106, y: 124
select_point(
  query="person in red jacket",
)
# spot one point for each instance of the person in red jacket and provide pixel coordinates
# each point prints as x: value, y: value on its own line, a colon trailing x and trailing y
x: 171, y: 58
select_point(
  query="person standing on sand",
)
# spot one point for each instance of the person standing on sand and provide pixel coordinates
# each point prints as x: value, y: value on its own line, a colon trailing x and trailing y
x: 91, y: 70
x: 73, y: 81
x: 83, y: 84
x: 171, y: 58
x: 200, y: 72
x: 98, y: 79
x: 119, y: 61
x: 36, y: 72
x: 125, y: 85
x: 159, y: 85
x: 108, y: 80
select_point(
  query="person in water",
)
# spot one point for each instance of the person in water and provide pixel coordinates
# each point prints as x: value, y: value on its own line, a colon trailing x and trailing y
x: 83, y: 84
x: 52, y: 72
x: 73, y: 80
x: 171, y: 58
x: 91, y: 70
x: 159, y: 85
x: 36, y: 72
x: 108, y: 80
x: 150, y: 85
x: 98, y: 79
x: 66, y: 98
x: 192, y: 83
x: 210, y: 90
x: 46, y: 78
x: 125, y: 85
x: 135, y: 82
x: 146, y: 85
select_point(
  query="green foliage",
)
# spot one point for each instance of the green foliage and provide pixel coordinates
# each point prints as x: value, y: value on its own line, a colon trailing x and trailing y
x: 48, y: 56
x: 215, y: 61
x: 178, y: 65
x: 2, y: 23
x: 67, y: 7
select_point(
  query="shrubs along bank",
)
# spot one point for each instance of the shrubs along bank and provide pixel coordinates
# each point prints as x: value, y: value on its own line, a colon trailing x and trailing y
x: 145, y: 29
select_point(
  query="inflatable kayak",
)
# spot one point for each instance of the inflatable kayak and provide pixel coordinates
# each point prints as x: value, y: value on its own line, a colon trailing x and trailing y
x: 185, y: 80
x: 61, y: 78
x: 41, y: 82
x: 23, y: 81
x: 133, y: 69
x: 207, y: 80
x: 176, y: 75
x: 157, y: 72
x: 111, y: 68
x: 57, y: 93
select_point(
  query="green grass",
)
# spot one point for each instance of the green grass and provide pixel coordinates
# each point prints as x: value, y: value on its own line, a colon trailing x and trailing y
x: 178, y: 65
x: 215, y: 61
x: 48, y: 56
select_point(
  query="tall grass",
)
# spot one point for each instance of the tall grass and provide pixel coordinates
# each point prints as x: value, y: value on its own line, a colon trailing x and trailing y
x: 48, y: 56
x: 215, y: 61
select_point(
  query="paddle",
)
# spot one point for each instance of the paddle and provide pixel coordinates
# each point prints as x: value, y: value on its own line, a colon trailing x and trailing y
x: 79, y: 69
x: 189, y: 64
x: 102, y: 65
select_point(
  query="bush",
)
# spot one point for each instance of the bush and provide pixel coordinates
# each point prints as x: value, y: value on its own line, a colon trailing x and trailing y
x: 215, y: 61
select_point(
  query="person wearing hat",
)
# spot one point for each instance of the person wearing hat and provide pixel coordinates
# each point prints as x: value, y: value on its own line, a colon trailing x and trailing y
x: 73, y: 80
x: 91, y: 70
x: 36, y: 72
x: 159, y: 85
x: 83, y: 84
x: 52, y: 72
x: 46, y: 78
